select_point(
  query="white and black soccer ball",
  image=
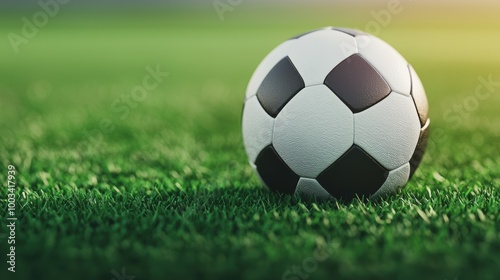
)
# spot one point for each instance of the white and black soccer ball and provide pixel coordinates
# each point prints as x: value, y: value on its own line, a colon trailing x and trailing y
x: 335, y: 113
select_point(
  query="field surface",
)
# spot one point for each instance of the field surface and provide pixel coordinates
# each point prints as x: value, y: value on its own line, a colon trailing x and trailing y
x: 159, y: 187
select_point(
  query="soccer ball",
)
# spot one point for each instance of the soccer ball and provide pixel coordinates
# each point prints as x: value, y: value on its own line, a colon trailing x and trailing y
x: 335, y: 113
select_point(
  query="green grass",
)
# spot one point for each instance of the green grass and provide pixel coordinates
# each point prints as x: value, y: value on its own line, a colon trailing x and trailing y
x: 168, y: 193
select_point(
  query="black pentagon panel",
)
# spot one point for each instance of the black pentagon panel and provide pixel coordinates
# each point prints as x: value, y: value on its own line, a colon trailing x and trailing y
x: 419, y: 152
x: 275, y: 173
x: 357, y: 83
x: 419, y: 97
x: 352, y: 32
x: 309, y: 32
x: 353, y: 174
x: 280, y: 85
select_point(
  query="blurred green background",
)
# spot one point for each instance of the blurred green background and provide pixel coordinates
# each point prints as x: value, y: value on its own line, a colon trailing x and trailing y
x: 161, y: 185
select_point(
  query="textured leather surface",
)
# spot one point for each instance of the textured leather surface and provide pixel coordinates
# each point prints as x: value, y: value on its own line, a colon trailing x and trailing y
x: 257, y: 128
x: 313, y: 130
x: 357, y: 83
x: 356, y: 173
x: 396, y: 180
x: 279, y: 86
x: 311, y: 135
x: 266, y: 65
x: 317, y: 53
x: 391, y: 65
x: 275, y: 173
x: 418, y: 155
x: 311, y: 188
x: 419, y: 97
x: 388, y: 131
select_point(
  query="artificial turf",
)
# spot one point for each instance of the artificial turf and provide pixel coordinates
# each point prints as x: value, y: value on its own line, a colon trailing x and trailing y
x: 166, y: 192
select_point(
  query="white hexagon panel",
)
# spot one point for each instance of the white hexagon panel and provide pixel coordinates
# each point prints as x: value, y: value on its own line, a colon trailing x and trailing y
x: 389, y: 130
x: 313, y: 130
